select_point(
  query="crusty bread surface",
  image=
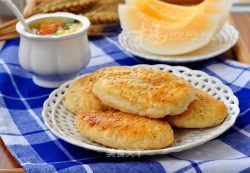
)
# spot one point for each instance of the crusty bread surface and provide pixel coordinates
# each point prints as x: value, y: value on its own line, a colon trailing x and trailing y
x: 205, y: 111
x: 79, y: 96
x: 145, y: 92
x: 121, y: 130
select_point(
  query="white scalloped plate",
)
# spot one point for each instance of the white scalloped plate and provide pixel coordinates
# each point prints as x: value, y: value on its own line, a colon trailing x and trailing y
x: 222, y: 42
x: 62, y: 123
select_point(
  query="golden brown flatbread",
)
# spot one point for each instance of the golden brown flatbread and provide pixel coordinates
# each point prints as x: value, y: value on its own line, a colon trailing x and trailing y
x: 204, y: 111
x: 145, y: 92
x: 79, y: 96
x: 120, y: 130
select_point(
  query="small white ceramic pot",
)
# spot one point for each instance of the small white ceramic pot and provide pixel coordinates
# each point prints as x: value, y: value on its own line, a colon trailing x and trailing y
x: 54, y: 59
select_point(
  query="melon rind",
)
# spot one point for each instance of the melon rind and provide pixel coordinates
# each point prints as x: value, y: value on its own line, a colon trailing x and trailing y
x: 225, y: 13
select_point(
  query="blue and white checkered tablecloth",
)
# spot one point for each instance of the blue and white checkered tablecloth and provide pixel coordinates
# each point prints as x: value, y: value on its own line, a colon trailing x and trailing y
x: 38, y: 150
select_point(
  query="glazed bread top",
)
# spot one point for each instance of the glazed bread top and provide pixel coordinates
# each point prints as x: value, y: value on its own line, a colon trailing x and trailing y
x: 124, y: 130
x: 79, y: 96
x: 205, y: 111
x: 146, y: 92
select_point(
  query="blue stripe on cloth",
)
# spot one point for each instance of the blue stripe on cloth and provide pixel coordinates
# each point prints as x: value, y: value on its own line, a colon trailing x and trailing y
x: 18, y: 104
x: 24, y: 134
x: 186, y: 168
x: 14, y: 104
x: 98, y: 161
x: 22, y: 154
x: 39, y: 168
x: 199, y: 163
x: 33, y: 91
x: 243, y: 71
x: 56, y: 154
x: 43, y: 138
x: 5, y: 87
x: 211, y: 73
x: 10, y: 51
x: 81, y: 153
x: 69, y: 166
x: 105, y: 46
x: 37, y: 103
x: 244, y: 98
x: 42, y: 148
x: 247, y: 128
x: 30, y: 162
x: 97, y: 56
x: 239, y: 66
x: 242, y: 121
x: 237, y: 140
x: 17, y: 65
x: 119, y: 165
x: 192, y: 165
x: 246, y: 170
x: 24, y: 120
x: 15, y: 69
x: 120, y: 57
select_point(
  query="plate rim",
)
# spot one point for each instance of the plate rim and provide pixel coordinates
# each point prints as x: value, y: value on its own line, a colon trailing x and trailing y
x: 141, y: 152
x: 166, y: 59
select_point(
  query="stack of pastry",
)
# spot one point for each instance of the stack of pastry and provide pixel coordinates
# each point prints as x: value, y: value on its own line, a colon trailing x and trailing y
x: 134, y: 108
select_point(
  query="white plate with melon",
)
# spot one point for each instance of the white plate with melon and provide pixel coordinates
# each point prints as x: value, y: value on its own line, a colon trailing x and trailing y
x: 161, y: 31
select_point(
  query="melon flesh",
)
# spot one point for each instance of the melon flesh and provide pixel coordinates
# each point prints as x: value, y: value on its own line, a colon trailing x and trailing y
x: 177, y: 13
x: 167, y: 29
x: 163, y: 13
x: 169, y: 9
x: 157, y: 37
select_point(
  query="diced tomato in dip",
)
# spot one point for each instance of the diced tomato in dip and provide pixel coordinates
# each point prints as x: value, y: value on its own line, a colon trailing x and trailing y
x: 55, y: 27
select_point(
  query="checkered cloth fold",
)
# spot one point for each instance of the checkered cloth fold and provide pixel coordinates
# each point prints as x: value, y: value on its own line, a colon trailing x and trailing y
x: 38, y: 150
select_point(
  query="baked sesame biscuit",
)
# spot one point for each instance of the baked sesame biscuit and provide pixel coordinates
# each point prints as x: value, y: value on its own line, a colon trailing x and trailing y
x: 79, y: 96
x: 120, y: 130
x: 145, y: 92
x: 205, y: 111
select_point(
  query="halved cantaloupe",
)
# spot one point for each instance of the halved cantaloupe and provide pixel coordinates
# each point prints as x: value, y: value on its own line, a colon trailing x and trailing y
x: 158, y: 37
x: 221, y: 7
x: 159, y: 32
